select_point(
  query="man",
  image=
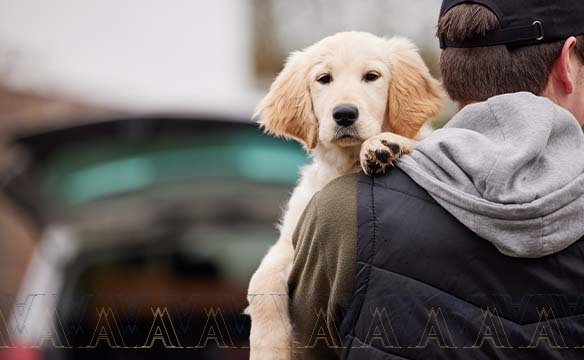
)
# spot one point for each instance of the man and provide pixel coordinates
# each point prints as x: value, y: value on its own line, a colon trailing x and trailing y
x: 470, y: 248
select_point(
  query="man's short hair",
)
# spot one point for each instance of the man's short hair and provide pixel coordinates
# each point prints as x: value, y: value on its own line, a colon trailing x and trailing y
x: 476, y: 74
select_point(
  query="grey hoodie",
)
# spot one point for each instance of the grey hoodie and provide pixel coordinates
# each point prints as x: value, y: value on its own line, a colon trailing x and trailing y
x: 511, y: 169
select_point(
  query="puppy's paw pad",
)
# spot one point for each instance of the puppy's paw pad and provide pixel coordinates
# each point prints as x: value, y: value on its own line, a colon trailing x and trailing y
x: 377, y: 155
x: 371, y: 166
x: 394, y: 148
x: 382, y: 155
x: 376, y: 161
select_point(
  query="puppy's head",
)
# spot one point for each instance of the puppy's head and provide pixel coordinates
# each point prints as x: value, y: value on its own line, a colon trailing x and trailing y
x: 349, y: 87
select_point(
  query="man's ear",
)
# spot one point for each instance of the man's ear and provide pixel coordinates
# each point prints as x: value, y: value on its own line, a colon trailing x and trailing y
x: 563, y: 68
x: 414, y: 95
x: 287, y: 109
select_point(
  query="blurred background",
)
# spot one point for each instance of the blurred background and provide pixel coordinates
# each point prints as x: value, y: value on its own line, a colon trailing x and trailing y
x: 131, y: 176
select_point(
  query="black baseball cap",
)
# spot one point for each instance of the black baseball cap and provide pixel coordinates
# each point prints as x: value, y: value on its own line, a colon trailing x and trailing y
x: 524, y: 22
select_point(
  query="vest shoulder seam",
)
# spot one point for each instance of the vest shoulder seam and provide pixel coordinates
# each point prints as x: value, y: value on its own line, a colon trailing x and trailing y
x: 429, y: 201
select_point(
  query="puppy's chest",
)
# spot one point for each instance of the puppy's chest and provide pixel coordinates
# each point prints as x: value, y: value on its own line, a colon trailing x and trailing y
x: 318, y: 175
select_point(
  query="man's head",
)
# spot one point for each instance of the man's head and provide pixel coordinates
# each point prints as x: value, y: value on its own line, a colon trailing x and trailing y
x: 472, y: 72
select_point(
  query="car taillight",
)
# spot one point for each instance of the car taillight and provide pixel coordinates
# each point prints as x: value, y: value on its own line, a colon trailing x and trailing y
x: 21, y: 353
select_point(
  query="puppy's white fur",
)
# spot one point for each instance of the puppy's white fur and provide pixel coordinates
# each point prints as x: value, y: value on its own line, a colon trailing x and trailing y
x: 299, y: 106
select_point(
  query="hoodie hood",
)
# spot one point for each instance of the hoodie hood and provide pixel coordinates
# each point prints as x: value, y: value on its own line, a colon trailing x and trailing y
x: 511, y: 169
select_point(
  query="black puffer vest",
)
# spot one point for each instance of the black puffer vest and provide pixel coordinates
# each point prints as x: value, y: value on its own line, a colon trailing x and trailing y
x: 429, y: 288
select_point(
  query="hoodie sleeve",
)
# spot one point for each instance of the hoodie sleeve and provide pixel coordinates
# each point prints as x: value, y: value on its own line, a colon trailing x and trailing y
x: 322, y: 276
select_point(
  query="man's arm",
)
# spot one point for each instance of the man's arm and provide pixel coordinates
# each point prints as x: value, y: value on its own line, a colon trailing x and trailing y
x: 322, y: 276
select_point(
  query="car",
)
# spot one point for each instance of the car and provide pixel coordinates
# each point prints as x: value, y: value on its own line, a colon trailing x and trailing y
x: 151, y: 227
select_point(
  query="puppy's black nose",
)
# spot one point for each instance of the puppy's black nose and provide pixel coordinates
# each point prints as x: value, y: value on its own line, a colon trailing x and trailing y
x: 345, y: 114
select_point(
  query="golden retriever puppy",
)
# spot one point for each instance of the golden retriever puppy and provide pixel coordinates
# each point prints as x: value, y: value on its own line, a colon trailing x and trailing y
x: 331, y: 97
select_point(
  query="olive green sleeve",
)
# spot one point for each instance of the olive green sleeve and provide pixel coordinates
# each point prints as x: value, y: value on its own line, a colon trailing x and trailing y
x: 322, y: 276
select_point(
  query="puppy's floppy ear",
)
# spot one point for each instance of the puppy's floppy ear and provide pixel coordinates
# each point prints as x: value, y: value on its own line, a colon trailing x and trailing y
x: 287, y: 109
x: 414, y: 95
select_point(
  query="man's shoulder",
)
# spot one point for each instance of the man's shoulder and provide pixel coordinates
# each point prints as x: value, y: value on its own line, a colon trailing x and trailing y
x: 330, y: 215
x: 395, y: 182
x: 343, y: 192
x: 339, y: 192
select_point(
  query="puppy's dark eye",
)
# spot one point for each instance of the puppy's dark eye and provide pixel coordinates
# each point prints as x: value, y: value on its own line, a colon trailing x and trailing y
x: 371, y: 76
x: 324, y: 79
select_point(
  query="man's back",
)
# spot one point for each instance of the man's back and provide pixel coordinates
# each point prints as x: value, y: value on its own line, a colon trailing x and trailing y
x: 424, y: 285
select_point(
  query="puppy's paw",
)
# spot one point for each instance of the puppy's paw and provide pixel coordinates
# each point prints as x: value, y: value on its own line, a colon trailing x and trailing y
x: 378, y: 155
x: 382, y: 151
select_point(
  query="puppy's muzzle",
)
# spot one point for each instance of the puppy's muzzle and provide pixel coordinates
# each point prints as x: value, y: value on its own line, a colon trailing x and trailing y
x: 345, y: 115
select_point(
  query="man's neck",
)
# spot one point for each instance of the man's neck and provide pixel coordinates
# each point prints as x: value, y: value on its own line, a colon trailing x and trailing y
x: 464, y: 103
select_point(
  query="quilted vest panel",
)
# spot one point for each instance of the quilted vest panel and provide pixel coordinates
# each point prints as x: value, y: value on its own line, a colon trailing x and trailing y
x: 427, y: 287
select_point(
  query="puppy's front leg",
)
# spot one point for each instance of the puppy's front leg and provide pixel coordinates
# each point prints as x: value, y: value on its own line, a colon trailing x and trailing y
x: 270, y: 337
x: 380, y: 152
